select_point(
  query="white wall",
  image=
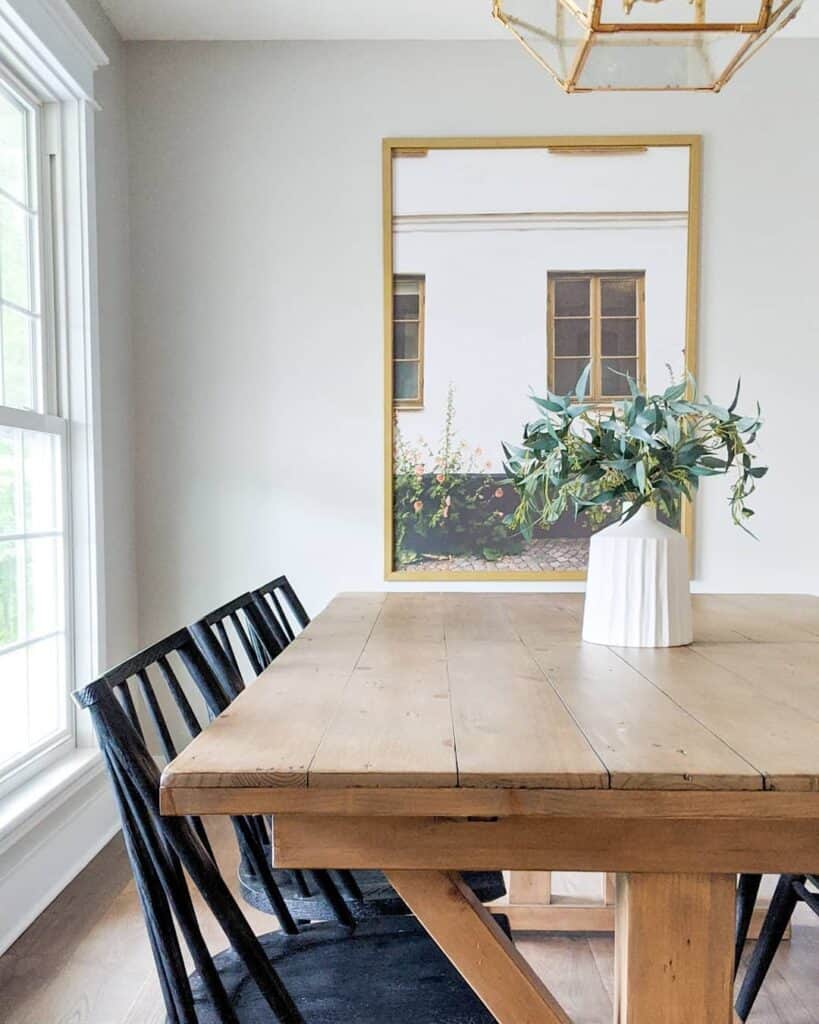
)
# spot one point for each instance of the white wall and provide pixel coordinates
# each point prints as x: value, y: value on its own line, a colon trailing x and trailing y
x: 256, y: 226
x: 485, y: 317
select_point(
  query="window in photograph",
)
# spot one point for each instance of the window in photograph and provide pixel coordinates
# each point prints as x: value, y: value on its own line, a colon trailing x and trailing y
x: 596, y: 318
x: 408, y: 341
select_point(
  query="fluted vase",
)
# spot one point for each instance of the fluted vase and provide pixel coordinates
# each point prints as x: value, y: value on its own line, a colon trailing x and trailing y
x: 637, y: 588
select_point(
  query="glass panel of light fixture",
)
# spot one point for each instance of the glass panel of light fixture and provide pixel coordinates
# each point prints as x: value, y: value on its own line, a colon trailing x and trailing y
x: 658, y: 60
x: 550, y: 28
x: 680, y: 12
x: 782, y: 14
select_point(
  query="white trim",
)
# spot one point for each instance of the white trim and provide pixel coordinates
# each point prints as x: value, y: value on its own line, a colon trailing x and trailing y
x: 25, y: 419
x: 569, y: 220
x: 52, y: 845
x: 52, y: 54
x: 46, y: 41
x: 29, y: 804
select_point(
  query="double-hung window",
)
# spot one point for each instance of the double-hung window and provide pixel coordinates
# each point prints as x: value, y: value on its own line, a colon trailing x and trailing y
x: 35, y: 634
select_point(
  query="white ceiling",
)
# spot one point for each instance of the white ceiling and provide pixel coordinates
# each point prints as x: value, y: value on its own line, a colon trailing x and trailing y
x: 328, y: 19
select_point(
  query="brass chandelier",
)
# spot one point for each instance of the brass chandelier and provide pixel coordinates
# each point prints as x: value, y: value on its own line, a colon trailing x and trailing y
x: 643, y: 45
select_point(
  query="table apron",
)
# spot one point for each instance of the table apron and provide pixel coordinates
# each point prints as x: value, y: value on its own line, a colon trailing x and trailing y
x: 724, y: 845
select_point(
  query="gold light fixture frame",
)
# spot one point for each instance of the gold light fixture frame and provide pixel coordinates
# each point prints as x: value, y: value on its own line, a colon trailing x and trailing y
x: 773, y: 15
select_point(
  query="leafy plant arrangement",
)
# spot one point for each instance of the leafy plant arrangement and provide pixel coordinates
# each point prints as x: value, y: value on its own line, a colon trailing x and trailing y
x: 648, y: 449
x: 446, y: 502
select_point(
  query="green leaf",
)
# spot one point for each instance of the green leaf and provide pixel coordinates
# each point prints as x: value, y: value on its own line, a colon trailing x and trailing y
x: 735, y: 399
x: 671, y: 394
x: 582, y: 383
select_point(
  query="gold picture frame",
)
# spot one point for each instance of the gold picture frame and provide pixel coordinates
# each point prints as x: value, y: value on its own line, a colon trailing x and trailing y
x: 392, y: 147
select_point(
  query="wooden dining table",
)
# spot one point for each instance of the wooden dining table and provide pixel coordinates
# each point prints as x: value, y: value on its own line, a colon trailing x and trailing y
x: 430, y: 733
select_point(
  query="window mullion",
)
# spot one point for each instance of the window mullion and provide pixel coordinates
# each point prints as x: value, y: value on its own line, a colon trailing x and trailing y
x: 596, y: 344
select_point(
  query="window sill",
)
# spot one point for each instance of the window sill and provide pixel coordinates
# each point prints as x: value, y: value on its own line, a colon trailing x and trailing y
x: 26, y: 806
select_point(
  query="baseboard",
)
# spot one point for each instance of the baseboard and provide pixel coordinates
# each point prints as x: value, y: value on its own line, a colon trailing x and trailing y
x: 35, y: 870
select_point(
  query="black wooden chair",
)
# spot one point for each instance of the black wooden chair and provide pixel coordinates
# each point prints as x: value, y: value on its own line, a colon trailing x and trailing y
x: 385, y: 970
x: 259, y: 621
x: 790, y: 890
x: 242, y: 631
x: 284, y: 613
x: 287, y: 895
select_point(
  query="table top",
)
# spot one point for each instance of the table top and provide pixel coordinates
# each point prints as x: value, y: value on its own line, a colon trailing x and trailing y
x: 497, y: 691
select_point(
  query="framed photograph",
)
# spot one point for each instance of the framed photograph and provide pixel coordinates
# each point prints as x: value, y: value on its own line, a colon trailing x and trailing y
x: 510, y: 265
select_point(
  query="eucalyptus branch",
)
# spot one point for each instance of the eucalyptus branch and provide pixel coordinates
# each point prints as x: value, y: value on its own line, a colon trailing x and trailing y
x: 647, y: 449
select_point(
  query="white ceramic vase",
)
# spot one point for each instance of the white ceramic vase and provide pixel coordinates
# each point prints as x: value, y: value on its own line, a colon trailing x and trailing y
x: 637, y: 589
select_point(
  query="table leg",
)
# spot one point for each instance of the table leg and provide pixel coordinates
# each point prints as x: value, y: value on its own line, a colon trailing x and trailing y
x: 674, y: 949
x: 489, y: 962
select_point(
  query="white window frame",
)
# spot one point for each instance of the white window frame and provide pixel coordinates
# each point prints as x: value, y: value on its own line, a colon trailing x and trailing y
x: 46, y: 51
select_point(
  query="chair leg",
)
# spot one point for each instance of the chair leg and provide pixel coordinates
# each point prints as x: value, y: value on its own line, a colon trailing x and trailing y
x: 335, y: 900
x: 776, y: 921
x: 747, y: 891
x: 349, y: 884
x: 250, y: 847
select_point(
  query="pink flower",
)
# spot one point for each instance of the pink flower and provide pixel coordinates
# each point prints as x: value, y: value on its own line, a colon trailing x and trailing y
x: 440, y: 478
x: 418, y: 505
x: 499, y: 492
x: 479, y: 451
x: 488, y: 464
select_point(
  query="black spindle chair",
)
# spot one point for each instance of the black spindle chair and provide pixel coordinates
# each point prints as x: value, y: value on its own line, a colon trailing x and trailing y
x: 242, y: 631
x: 283, y: 611
x: 263, y: 632
x: 175, y: 722
x: 386, y: 970
x: 790, y: 890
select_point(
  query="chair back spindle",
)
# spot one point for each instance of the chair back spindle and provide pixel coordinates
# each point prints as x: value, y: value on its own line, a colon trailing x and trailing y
x: 282, y: 610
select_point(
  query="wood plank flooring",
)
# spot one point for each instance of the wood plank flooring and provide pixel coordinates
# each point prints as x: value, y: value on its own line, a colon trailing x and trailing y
x: 86, y: 959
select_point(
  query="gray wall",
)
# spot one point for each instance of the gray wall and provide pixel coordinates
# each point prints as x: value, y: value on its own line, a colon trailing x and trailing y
x: 116, y: 364
x: 256, y: 247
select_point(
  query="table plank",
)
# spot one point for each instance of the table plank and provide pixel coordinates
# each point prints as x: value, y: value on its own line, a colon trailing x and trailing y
x: 270, y: 733
x: 644, y: 739
x: 511, y: 729
x: 730, y: 689
x: 395, y: 721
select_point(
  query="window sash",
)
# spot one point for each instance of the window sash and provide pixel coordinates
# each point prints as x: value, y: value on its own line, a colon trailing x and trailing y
x: 35, y: 756
x: 596, y: 320
x: 44, y: 137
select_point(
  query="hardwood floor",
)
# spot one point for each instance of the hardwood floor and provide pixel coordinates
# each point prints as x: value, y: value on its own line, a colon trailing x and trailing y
x: 86, y: 959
